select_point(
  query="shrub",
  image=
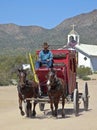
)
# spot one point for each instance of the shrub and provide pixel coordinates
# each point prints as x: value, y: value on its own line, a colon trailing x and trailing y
x: 4, y: 82
x: 86, y: 78
x: 83, y: 71
x: 8, y: 68
x: 95, y: 72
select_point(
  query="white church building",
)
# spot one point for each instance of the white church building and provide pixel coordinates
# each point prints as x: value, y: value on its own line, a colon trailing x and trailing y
x: 87, y: 54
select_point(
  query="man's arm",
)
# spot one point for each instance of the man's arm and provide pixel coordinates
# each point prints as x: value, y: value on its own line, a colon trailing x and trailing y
x: 40, y: 55
x: 51, y: 55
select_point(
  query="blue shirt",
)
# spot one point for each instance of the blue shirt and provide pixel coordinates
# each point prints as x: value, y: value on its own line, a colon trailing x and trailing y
x: 45, y: 55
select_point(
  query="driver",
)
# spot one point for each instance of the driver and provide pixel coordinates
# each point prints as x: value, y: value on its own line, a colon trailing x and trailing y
x: 45, y: 57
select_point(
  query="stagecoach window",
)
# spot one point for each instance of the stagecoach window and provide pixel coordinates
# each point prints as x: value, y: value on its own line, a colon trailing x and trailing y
x: 59, y: 55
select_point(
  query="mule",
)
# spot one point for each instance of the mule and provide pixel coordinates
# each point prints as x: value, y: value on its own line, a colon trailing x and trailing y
x: 56, y: 90
x: 26, y: 89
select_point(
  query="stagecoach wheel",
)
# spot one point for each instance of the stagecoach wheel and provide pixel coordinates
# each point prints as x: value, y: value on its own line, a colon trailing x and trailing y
x: 76, y: 102
x: 41, y: 106
x: 86, y: 97
x: 27, y: 106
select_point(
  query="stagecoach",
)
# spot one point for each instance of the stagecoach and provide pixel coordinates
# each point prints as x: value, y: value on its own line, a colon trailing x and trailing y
x: 65, y: 64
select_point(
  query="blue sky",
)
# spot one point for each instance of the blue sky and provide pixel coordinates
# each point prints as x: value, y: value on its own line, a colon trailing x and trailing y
x: 44, y: 13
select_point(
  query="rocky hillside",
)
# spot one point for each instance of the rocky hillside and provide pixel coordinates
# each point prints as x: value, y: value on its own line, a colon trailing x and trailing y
x: 19, y: 39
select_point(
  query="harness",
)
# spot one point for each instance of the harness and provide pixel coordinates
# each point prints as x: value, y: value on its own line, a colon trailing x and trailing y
x: 57, y: 85
x: 26, y: 87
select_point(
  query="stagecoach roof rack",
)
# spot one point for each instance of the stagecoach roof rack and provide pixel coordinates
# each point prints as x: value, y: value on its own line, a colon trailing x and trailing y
x: 58, y: 47
x: 53, y: 47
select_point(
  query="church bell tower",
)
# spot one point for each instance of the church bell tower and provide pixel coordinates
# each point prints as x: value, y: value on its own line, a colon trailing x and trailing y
x: 73, y: 36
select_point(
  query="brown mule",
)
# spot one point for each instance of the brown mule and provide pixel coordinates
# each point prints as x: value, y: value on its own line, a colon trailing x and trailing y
x: 56, y: 90
x: 26, y: 89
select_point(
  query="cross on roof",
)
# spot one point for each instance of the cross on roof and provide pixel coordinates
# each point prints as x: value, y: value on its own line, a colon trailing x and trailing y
x: 73, y: 26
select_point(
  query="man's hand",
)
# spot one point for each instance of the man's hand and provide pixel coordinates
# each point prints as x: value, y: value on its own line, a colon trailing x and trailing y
x: 39, y: 59
x: 48, y: 59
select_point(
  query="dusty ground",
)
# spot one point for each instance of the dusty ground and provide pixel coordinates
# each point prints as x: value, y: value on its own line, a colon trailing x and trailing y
x: 10, y: 118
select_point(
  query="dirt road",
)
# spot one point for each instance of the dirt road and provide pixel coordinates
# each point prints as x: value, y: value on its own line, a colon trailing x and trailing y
x: 10, y: 118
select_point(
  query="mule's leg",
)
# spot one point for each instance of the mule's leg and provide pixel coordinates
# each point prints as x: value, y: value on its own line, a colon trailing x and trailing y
x: 34, y: 111
x: 51, y: 106
x: 20, y: 107
x: 28, y: 109
x: 63, y: 103
x: 56, y: 106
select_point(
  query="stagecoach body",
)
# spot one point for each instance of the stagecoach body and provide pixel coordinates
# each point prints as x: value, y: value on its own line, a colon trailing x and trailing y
x: 64, y: 63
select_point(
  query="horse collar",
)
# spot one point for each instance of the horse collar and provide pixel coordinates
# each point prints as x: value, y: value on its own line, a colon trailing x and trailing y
x: 58, y: 84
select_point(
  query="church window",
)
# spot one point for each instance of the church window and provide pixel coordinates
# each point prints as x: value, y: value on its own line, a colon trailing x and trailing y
x: 85, y: 58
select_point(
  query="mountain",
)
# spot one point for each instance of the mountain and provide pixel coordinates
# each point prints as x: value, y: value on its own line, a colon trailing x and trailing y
x: 16, y: 39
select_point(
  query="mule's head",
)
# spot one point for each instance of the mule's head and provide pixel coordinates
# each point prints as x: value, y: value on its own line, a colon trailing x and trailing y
x: 51, y: 79
x: 22, y: 77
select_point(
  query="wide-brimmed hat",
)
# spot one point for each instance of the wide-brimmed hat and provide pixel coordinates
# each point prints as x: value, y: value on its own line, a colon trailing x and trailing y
x: 45, y: 44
